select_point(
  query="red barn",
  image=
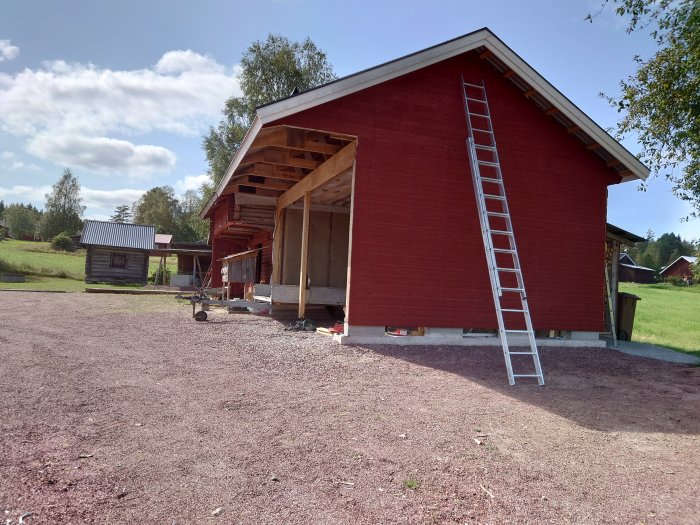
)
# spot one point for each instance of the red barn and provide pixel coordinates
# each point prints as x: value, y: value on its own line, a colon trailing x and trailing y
x: 681, y: 268
x: 363, y: 185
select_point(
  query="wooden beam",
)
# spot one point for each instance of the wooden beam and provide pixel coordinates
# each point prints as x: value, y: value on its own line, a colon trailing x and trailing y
x: 267, y: 184
x: 552, y: 111
x: 508, y: 73
x: 327, y: 171
x: 280, y: 157
x: 614, y: 162
x: 292, y: 138
x: 530, y: 93
x: 267, y: 170
x: 573, y: 129
x: 277, y: 242
x: 595, y: 145
x: 486, y: 54
x: 304, y: 255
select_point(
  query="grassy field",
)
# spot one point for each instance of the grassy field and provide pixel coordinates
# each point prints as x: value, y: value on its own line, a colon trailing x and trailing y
x: 47, y: 269
x: 667, y: 316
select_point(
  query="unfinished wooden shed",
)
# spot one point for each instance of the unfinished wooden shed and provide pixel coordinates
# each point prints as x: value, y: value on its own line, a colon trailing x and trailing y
x: 361, y: 188
x: 117, y: 253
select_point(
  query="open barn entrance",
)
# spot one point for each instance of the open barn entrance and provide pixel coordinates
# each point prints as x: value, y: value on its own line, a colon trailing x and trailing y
x: 289, y: 213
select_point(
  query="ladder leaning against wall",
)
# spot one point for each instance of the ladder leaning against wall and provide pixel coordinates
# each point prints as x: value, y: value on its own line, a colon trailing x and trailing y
x: 507, y: 284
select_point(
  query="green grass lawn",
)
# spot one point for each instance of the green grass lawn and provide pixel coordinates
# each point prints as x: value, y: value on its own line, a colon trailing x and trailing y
x: 667, y: 316
x: 47, y: 269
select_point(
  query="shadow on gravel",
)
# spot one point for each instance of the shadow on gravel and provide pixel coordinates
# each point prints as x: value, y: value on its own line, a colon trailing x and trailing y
x: 597, y: 388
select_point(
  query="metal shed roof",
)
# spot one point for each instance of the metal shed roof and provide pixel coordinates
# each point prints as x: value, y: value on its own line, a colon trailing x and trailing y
x: 118, y: 235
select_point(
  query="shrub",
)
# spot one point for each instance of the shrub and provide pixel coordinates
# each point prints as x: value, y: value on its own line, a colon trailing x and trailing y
x: 62, y: 242
x: 157, y: 276
x: 677, y: 281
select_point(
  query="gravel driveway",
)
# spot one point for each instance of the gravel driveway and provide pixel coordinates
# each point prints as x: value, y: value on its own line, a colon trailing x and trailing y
x: 122, y: 409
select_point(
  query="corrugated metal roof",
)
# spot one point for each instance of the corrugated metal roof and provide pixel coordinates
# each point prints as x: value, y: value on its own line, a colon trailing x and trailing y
x: 118, y: 235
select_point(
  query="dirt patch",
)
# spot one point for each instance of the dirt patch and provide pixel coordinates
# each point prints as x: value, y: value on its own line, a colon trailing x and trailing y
x: 120, y: 409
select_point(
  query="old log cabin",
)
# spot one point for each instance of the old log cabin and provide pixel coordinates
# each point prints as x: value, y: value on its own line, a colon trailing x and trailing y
x: 117, y: 252
x: 361, y: 190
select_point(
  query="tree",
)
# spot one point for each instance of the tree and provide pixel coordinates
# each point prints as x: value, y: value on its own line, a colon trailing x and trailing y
x: 22, y: 220
x: 159, y: 207
x: 2, y: 210
x: 122, y: 213
x: 271, y: 70
x: 660, y: 101
x: 63, y: 211
x: 190, y: 227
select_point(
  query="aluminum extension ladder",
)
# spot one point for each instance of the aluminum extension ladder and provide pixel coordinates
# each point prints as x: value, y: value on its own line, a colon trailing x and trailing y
x: 506, y: 276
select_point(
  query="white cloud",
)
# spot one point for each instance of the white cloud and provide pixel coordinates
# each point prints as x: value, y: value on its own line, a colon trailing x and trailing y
x: 85, y: 106
x: 103, y: 155
x: 191, y: 182
x: 7, y: 50
x: 99, y: 200
x: 15, y: 164
x: 109, y: 199
x: 24, y: 193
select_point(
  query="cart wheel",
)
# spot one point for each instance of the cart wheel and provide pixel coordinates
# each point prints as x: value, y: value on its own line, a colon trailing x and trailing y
x: 623, y: 335
x: 200, y: 316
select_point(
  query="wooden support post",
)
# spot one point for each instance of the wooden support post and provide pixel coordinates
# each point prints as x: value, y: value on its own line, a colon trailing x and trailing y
x: 304, y: 255
x: 165, y: 270
x: 277, y: 235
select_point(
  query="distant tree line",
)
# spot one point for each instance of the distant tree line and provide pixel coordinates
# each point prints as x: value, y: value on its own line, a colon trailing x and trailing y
x: 63, y: 214
x: 658, y: 253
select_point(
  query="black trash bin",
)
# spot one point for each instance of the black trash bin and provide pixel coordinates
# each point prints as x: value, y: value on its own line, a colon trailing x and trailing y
x: 626, y: 306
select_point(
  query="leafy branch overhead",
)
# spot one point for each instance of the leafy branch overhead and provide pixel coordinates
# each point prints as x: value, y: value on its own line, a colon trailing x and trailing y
x: 660, y: 102
x: 270, y: 70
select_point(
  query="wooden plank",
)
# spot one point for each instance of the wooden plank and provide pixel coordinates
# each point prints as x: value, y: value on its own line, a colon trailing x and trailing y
x: 508, y: 73
x: 280, y: 157
x: 304, y: 255
x: 530, y: 92
x: 552, y: 111
x: 593, y: 146
x: 268, y: 171
x: 277, y: 237
x: 573, y: 129
x: 327, y: 171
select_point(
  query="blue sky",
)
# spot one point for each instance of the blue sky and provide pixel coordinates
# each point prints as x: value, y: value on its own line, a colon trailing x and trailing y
x: 122, y: 92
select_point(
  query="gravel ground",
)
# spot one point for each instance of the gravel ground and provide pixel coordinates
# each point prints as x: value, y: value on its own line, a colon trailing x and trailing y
x: 122, y: 409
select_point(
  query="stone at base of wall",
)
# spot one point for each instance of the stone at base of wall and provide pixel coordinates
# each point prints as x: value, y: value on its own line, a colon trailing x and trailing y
x: 376, y: 335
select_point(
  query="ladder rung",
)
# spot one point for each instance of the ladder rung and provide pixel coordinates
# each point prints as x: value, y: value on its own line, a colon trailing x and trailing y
x: 513, y: 310
x: 497, y: 214
x: 481, y: 146
x: 527, y: 375
x: 482, y: 130
x: 512, y: 289
x: 503, y: 250
x: 517, y: 331
x: 515, y: 270
x: 501, y: 232
x: 477, y: 86
x: 489, y: 179
x: 521, y: 353
x: 479, y: 115
x: 488, y: 163
x: 476, y: 100
x: 497, y: 197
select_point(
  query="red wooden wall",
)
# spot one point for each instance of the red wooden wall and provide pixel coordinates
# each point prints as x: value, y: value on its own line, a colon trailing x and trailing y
x: 417, y: 255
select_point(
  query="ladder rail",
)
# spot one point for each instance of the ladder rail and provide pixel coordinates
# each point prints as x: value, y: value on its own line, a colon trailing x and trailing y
x: 483, y: 115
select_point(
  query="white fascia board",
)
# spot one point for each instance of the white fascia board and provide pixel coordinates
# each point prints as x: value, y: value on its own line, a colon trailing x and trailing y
x: 247, y: 141
x: 514, y: 62
x: 372, y: 77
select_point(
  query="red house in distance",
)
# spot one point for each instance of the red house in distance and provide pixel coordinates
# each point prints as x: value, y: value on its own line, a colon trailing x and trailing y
x: 681, y: 267
x: 363, y: 186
